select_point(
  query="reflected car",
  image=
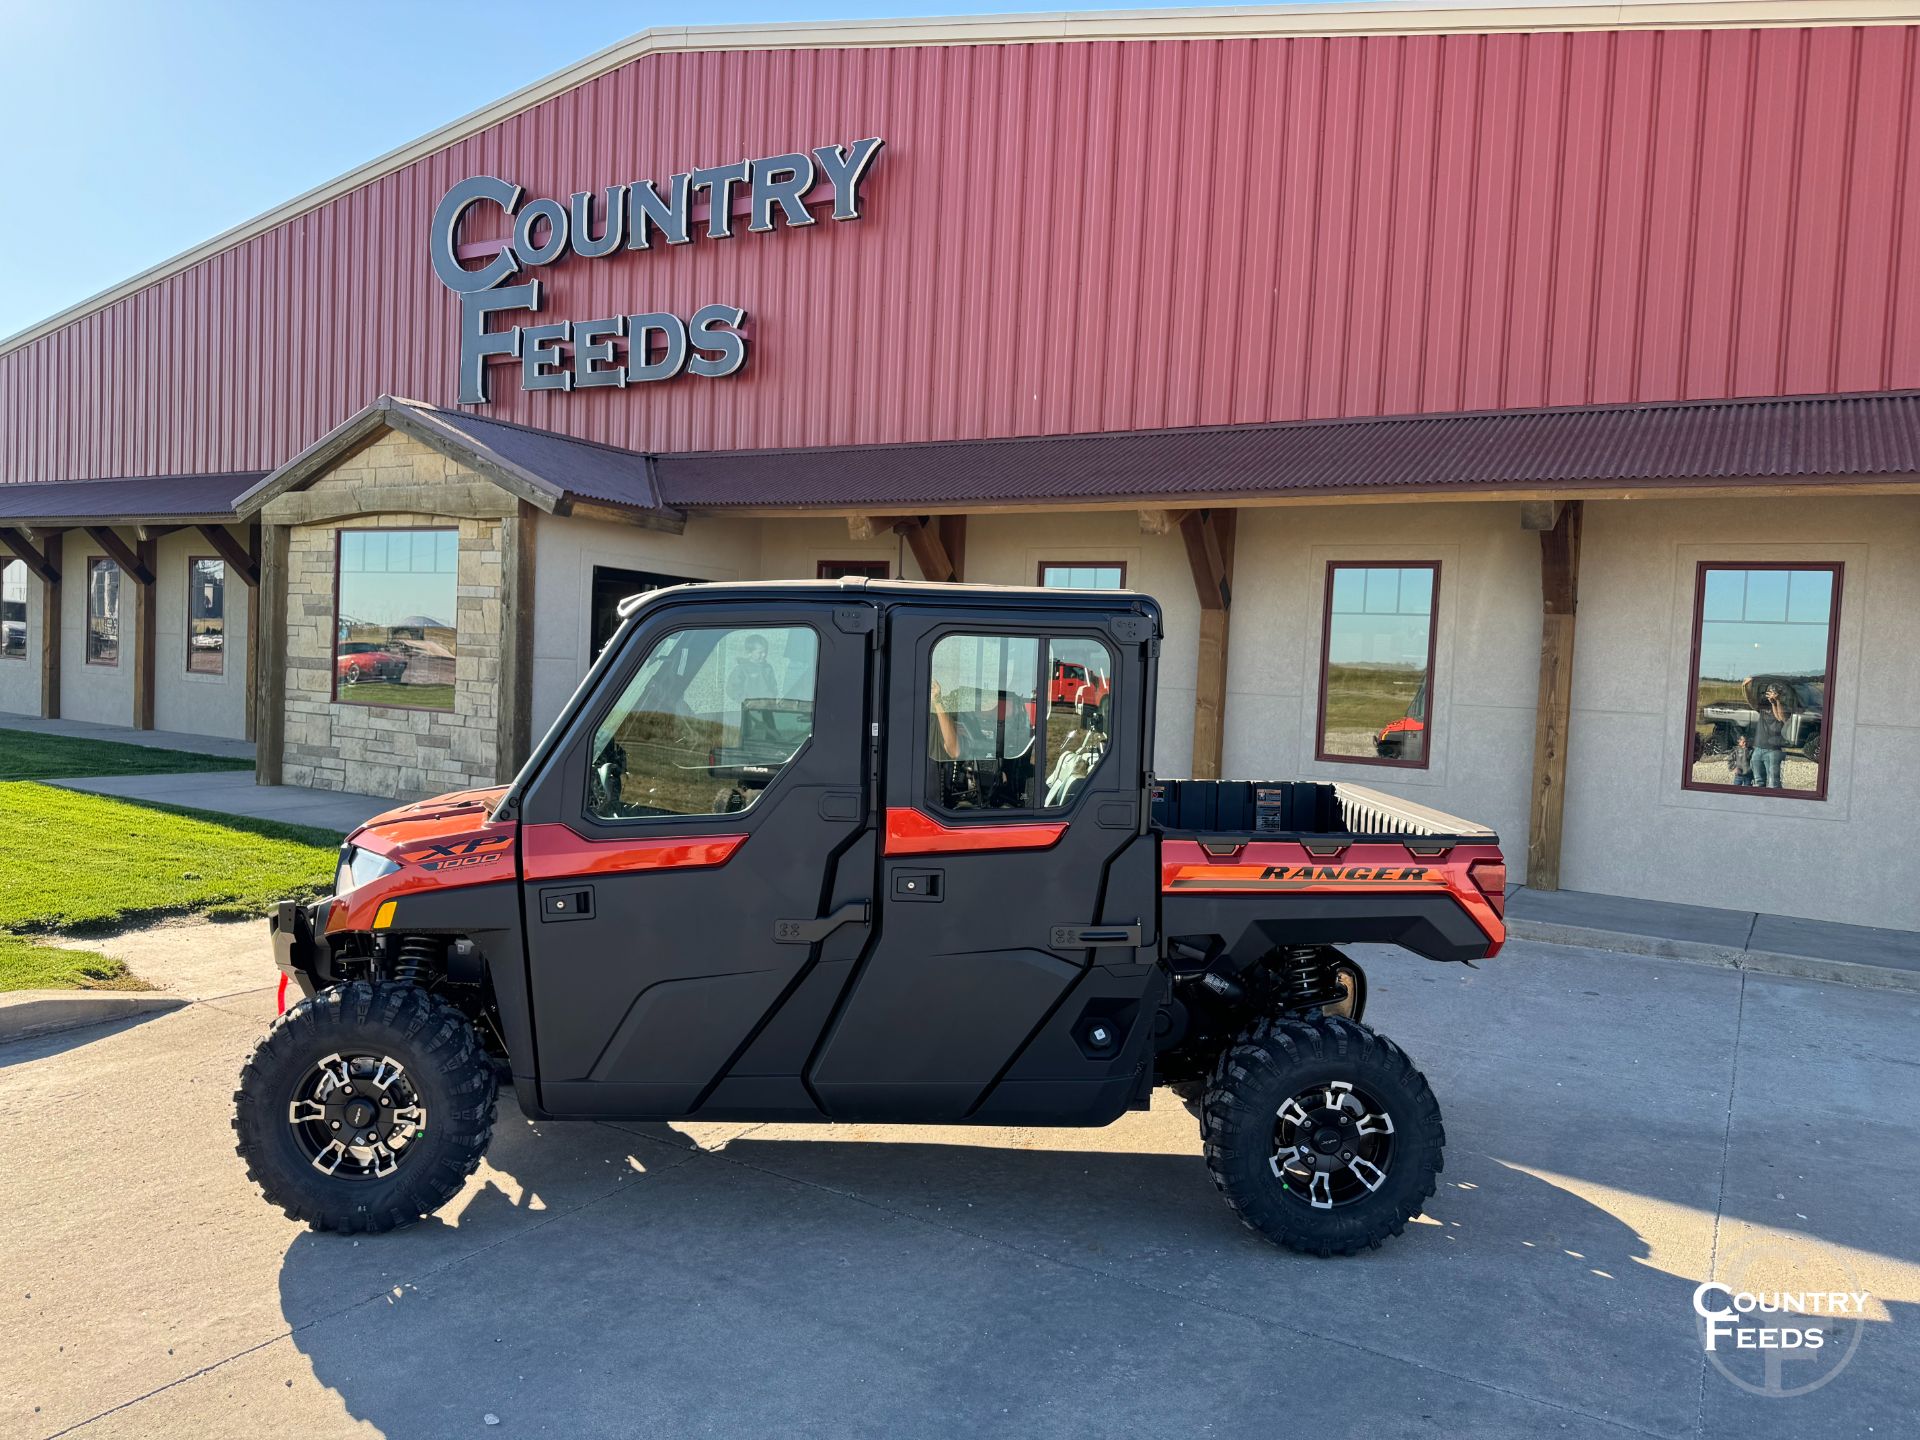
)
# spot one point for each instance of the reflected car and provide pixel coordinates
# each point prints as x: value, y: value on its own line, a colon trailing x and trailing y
x: 210, y: 640
x: 1072, y: 684
x: 1405, y: 738
x: 1722, y: 722
x: 358, y: 660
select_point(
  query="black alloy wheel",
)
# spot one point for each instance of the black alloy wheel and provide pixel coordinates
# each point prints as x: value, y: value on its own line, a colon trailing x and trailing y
x: 1321, y: 1134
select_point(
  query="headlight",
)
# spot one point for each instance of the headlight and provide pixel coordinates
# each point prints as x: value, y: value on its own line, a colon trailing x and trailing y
x: 358, y: 866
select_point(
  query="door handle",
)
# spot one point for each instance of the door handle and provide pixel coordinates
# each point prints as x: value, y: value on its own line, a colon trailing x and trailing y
x: 1086, y: 937
x: 571, y: 902
x: 919, y: 884
x: 812, y: 932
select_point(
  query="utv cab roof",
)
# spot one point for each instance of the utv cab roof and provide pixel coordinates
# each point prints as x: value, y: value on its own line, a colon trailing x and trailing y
x: 911, y: 592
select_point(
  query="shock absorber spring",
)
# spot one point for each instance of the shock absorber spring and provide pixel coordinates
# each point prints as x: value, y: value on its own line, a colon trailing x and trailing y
x: 1308, y: 979
x: 417, y: 960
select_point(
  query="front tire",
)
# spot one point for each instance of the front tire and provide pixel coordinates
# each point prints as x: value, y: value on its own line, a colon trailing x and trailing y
x: 365, y: 1108
x: 1321, y: 1134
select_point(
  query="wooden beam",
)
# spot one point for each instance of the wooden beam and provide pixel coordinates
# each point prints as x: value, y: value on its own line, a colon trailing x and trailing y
x: 1160, y: 522
x: 924, y: 541
x: 953, y: 539
x: 1209, y: 539
x: 232, y: 553
x: 1540, y: 514
x: 145, y: 606
x: 270, y: 643
x: 1559, y: 599
x: 867, y: 527
x: 154, y: 532
x: 513, y: 708
x: 43, y: 563
x: 118, y: 551
x: 50, y: 643
x: 253, y: 633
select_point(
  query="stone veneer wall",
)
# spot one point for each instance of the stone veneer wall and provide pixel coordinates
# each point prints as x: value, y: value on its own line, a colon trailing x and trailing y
x: 374, y: 749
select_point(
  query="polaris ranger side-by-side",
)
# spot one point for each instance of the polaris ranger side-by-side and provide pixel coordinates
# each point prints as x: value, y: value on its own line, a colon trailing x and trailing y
x: 842, y: 851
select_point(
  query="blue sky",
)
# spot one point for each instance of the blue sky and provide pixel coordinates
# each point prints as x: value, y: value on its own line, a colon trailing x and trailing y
x: 137, y: 130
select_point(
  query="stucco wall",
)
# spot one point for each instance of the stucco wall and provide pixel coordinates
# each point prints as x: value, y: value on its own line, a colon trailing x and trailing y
x: 1486, y: 652
x: 100, y: 693
x: 20, y: 675
x: 1631, y: 829
x: 195, y: 703
x: 565, y: 552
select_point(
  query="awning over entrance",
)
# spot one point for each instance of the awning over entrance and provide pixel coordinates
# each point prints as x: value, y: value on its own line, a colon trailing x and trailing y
x: 1821, y: 441
x: 555, y: 473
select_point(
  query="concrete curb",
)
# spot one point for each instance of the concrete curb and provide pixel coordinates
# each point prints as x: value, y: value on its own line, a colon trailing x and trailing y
x: 26, y: 1013
x: 1761, y: 962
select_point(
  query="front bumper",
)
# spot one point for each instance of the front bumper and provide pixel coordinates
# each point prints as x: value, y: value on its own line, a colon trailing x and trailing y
x: 300, y: 948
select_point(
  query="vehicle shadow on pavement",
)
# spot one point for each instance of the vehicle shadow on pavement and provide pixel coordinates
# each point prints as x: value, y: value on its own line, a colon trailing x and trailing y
x: 609, y: 1280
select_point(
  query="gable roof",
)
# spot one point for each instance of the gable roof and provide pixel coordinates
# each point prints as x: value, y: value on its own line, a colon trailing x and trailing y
x: 1801, y: 440
x: 554, y: 473
x: 1362, y: 17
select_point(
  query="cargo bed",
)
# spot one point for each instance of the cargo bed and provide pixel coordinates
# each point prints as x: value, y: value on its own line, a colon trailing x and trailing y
x: 1305, y: 809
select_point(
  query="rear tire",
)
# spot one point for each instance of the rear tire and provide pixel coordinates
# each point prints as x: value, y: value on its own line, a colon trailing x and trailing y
x: 432, y: 1061
x: 1362, y: 1094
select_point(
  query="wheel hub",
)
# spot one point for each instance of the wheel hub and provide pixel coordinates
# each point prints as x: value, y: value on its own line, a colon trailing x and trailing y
x: 355, y: 1116
x: 1333, y: 1145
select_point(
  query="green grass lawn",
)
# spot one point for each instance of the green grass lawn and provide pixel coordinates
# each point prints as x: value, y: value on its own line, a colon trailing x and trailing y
x: 1369, y: 697
x: 25, y: 965
x: 384, y: 692
x: 27, y: 756
x: 88, y: 862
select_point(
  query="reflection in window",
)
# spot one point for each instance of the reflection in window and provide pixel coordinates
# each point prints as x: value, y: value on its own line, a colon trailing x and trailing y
x: 394, y: 629
x: 206, y: 616
x: 1079, y: 711
x: 706, y: 724
x: 1378, y: 663
x: 103, y: 612
x: 13, y: 609
x: 1764, y: 641
x: 1083, y: 575
x: 981, y: 708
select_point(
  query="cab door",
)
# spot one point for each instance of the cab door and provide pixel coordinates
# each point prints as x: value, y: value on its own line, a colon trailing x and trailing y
x: 1004, y: 811
x: 678, y: 853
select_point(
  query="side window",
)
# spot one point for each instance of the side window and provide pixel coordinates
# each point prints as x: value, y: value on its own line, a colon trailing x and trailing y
x: 707, y: 723
x: 1376, y: 663
x: 1006, y: 731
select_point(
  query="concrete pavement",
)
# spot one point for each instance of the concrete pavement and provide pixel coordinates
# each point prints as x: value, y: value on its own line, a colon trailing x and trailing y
x: 1619, y: 1128
x: 234, y: 792
x: 127, y: 735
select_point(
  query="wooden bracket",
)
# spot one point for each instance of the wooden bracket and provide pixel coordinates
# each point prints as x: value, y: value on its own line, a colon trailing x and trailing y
x: 130, y: 564
x: 43, y: 563
x: 929, y: 553
x: 236, y: 557
x: 866, y: 527
x: 1209, y: 538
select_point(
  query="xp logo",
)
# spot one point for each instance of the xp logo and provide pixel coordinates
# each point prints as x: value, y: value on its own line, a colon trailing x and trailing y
x: 471, y: 851
x: 1780, y: 1322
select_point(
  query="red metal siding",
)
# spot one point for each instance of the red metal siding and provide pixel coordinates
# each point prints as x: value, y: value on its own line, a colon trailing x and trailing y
x: 1086, y: 237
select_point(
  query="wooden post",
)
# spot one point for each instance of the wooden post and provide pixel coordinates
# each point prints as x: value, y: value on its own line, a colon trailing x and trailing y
x: 253, y: 632
x: 513, y: 713
x: 928, y: 553
x: 1209, y: 539
x: 1559, y: 598
x: 270, y: 643
x: 145, y: 604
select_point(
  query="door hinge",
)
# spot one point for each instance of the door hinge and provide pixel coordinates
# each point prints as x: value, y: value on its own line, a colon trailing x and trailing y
x: 812, y: 932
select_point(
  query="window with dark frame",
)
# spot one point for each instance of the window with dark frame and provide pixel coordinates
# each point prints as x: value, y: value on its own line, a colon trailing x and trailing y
x: 103, y: 611
x: 206, y: 615
x: 854, y: 570
x: 395, y: 600
x: 1761, y: 678
x: 13, y: 609
x: 1376, y: 663
x: 1083, y: 574
x: 1006, y: 732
